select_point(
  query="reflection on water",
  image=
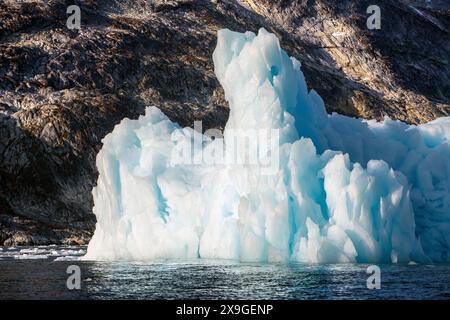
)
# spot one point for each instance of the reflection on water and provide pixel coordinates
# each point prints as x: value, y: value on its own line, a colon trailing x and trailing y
x: 46, y: 279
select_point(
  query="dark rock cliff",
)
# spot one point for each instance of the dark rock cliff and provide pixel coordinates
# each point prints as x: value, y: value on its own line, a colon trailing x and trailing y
x: 62, y: 90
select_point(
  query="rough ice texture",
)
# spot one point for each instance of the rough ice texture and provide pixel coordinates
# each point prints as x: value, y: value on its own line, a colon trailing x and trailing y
x: 346, y: 190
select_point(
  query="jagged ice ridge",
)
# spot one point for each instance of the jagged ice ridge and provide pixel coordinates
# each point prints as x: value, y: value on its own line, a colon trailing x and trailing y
x: 343, y: 190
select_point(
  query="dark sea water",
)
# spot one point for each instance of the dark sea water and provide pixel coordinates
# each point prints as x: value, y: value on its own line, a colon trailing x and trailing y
x: 33, y: 273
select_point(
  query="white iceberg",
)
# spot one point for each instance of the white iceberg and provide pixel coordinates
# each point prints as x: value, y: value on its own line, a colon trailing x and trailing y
x: 323, y: 188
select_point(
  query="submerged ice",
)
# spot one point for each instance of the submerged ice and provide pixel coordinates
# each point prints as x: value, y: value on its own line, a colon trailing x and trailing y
x: 340, y: 189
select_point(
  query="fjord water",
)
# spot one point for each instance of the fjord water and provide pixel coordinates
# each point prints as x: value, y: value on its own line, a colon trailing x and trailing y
x: 33, y: 274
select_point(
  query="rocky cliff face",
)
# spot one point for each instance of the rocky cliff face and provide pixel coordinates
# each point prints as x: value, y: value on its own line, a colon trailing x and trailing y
x: 62, y: 90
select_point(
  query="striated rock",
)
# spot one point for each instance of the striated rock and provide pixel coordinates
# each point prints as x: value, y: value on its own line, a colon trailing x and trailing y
x: 62, y: 91
x: 18, y: 239
x: 22, y: 231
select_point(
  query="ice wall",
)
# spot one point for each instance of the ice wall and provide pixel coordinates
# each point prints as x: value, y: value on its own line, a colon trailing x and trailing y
x: 329, y: 188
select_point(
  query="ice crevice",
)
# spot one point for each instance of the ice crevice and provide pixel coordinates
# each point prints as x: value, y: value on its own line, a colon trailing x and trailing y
x: 328, y: 189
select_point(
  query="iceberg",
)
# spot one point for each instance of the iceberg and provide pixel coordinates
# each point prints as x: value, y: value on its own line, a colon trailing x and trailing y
x: 285, y: 182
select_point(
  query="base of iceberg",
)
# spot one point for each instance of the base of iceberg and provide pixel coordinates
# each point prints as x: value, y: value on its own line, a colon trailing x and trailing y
x: 286, y: 182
